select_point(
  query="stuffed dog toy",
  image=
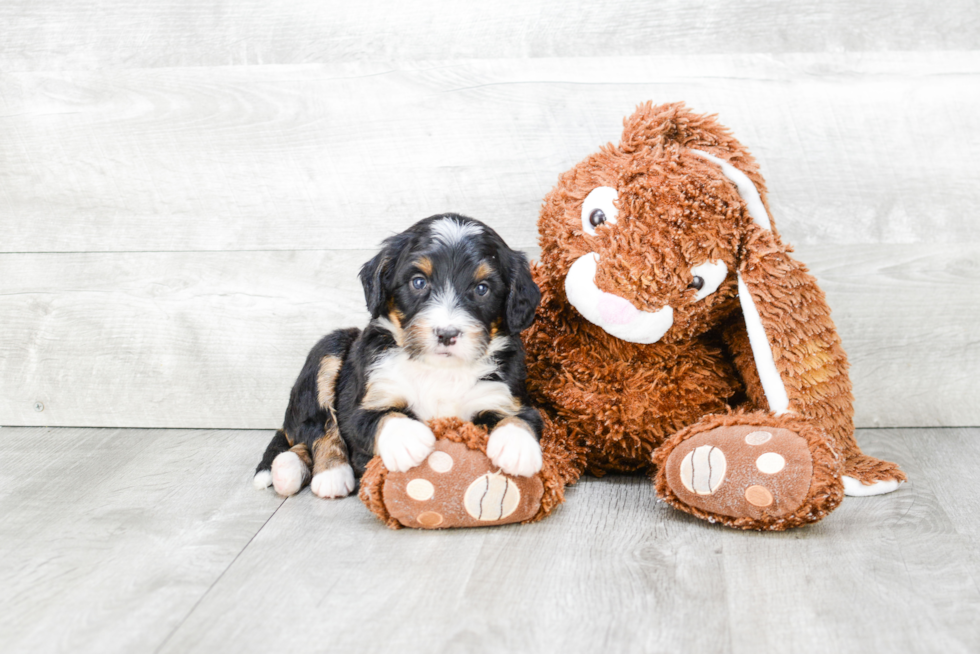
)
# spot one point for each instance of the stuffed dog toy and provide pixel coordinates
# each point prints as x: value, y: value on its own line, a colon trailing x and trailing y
x: 677, y: 335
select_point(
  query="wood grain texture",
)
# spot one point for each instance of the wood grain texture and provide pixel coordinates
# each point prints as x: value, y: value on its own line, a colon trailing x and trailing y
x: 109, y: 538
x: 154, y: 541
x: 166, y: 339
x: 856, y: 148
x: 900, y: 575
x: 216, y: 339
x: 103, y: 34
x: 612, y: 570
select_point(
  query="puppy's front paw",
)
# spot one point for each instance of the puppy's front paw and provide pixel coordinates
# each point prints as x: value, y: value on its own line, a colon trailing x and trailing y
x: 515, y: 450
x: 404, y: 443
x: 335, y: 482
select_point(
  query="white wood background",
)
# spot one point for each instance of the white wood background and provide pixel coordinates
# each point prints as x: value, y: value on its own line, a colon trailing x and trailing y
x: 188, y: 188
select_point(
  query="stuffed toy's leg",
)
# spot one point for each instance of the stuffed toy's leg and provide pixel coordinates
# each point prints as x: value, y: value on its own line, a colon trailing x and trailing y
x: 751, y: 471
x: 789, y: 354
x: 793, y: 463
x: 787, y: 349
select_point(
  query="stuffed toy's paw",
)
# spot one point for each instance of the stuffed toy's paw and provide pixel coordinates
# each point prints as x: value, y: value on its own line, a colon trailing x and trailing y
x: 751, y: 471
x: 458, y: 485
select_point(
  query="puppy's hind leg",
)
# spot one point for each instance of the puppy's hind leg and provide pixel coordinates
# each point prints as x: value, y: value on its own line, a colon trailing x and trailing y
x: 309, y: 416
x: 291, y: 470
x: 332, y: 473
x: 263, y: 471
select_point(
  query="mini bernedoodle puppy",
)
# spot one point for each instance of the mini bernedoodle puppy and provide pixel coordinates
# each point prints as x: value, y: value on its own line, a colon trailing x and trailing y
x: 448, y: 300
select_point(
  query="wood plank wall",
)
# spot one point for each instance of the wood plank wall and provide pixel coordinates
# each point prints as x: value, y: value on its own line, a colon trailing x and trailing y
x: 188, y: 188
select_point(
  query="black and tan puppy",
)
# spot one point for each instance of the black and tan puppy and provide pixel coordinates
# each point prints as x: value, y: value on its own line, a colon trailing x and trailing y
x: 448, y: 300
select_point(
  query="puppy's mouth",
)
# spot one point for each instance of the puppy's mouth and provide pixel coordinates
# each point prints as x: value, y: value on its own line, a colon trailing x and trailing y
x: 423, y: 342
x: 613, y: 314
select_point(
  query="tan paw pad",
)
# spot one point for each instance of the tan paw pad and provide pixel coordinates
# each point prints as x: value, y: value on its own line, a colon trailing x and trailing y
x: 770, y: 463
x: 703, y: 470
x: 440, y: 462
x: 758, y: 496
x: 757, y: 437
x: 420, y: 490
x: 492, y: 497
x: 430, y: 519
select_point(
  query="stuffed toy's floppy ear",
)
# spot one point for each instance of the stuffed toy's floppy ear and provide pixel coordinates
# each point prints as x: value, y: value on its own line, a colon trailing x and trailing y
x: 788, y: 351
x: 523, y: 295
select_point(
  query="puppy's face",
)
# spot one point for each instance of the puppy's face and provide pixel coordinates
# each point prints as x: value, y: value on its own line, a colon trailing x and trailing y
x: 447, y: 286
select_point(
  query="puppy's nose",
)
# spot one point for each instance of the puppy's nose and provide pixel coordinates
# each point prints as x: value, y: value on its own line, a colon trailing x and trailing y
x: 447, y: 335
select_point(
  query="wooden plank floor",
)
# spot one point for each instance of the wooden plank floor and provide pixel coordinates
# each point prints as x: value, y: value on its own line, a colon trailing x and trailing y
x: 154, y: 541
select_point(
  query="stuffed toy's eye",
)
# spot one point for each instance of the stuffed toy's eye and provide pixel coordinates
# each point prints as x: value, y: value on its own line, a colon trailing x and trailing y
x: 707, y: 278
x: 418, y: 283
x: 599, y: 208
x: 482, y: 289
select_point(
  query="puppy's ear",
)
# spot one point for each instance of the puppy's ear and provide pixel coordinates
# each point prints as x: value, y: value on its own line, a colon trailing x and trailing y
x: 523, y: 295
x: 373, y: 278
x: 376, y: 274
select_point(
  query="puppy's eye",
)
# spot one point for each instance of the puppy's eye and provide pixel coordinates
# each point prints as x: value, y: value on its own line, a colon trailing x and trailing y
x: 482, y: 289
x: 418, y: 283
x: 697, y: 283
x: 599, y: 208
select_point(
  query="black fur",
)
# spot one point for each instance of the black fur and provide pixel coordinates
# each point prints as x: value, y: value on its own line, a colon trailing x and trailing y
x: 505, y: 310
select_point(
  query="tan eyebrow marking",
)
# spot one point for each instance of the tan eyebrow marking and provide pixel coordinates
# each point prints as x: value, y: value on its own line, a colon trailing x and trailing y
x: 424, y: 264
x: 483, y: 271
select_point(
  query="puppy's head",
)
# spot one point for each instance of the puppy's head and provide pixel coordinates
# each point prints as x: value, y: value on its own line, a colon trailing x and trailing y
x: 447, y: 286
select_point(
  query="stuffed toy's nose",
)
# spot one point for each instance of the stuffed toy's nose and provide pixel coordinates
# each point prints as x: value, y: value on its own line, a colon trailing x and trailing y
x: 615, y: 310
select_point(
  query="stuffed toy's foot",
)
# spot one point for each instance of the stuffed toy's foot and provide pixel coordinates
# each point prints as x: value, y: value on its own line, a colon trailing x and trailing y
x: 458, y: 486
x: 866, y: 475
x: 750, y: 471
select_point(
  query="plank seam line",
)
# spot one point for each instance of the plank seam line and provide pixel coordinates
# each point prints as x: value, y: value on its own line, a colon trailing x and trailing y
x: 215, y: 582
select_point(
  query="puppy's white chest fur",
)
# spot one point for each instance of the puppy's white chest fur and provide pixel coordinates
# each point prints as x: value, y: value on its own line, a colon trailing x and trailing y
x: 436, y: 390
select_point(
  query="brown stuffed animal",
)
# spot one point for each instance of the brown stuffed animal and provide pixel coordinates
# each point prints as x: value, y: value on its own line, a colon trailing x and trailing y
x: 676, y: 334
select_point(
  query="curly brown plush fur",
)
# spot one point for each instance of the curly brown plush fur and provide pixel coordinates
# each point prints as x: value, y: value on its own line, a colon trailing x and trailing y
x: 617, y: 401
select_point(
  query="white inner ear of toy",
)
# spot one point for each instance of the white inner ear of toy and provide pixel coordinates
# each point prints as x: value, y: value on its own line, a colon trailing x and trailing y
x: 615, y: 315
x: 772, y: 383
x: 713, y: 273
x: 745, y: 187
x: 602, y: 197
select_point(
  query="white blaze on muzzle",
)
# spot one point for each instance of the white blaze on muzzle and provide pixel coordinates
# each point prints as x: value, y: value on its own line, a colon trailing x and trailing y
x: 615, y: 315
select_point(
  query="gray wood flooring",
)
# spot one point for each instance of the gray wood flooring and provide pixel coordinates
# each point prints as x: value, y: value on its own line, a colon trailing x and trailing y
x: 154, y: 541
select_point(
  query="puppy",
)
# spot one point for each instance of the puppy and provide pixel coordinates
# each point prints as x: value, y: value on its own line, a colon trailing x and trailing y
x: 448, y: 300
